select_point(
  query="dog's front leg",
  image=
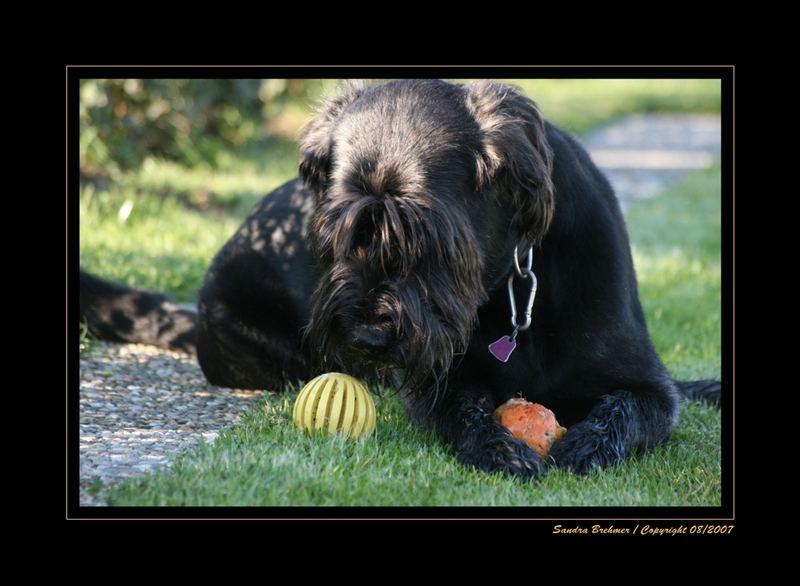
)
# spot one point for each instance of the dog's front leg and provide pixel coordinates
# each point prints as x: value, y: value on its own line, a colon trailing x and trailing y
x: 620, y: 422
x: 464, y: 420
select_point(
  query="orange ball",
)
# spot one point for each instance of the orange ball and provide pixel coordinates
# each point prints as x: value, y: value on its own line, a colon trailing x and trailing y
x: 533, y: 423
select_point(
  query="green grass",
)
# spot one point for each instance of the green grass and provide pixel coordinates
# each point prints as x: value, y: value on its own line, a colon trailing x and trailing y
x: 265, y: 461
x: 578, y: 105
x: 159, y: 227
x: 86, y: 343
x: 676, y: 248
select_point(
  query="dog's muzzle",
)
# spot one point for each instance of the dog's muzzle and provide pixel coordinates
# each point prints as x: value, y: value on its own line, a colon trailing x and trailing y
x: 372, y: 339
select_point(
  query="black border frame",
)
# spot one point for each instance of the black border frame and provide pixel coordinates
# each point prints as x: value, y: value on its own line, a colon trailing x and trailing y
x: 631, y: 517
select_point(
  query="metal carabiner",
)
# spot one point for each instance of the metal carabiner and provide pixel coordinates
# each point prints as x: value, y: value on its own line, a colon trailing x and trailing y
x: 528, y: 307
x: 529, y: 263
x: 502, y: 348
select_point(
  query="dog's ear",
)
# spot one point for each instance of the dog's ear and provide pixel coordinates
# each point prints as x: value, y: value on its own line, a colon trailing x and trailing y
x: 516, y: 159
x: 316, y: 142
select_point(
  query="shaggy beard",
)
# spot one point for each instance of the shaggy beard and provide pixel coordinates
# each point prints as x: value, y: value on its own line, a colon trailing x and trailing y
x: 432, y: 320
x: 428, y: 263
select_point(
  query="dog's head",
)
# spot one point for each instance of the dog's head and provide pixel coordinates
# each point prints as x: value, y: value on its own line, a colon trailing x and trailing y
x: 424, y: 188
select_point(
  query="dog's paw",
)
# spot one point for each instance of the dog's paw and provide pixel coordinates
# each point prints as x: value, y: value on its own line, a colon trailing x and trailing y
x: 504, y: 453
x: 586, y: 446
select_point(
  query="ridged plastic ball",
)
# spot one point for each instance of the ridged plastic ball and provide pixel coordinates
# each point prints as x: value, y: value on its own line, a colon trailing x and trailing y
x: 335, y: 402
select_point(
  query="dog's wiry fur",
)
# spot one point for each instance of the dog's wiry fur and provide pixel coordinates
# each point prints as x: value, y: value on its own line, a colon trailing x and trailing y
x: 396, y: 245
x: 389, y: 257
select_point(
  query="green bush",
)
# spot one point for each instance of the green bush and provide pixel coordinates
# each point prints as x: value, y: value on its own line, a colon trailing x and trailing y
x: 123, y: 122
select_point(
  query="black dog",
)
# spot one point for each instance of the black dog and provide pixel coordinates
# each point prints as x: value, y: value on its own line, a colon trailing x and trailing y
x: 392, y: 258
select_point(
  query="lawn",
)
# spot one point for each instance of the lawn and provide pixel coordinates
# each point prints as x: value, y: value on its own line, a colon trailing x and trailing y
x: 579, y: 105
x: 159, y: 226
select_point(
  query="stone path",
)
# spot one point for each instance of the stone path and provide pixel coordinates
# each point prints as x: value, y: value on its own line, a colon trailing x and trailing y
x: 644, y: 153
x: 140, y: 405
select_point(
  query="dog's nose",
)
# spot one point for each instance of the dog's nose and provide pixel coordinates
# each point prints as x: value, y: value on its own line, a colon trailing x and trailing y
x: 370, y: 338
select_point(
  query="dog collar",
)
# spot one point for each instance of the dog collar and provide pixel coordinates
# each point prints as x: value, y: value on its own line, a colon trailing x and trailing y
x: 502, y: 348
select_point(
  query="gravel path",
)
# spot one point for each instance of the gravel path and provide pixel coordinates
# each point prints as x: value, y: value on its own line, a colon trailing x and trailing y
x: 141, y: 405
x: 644, y: 153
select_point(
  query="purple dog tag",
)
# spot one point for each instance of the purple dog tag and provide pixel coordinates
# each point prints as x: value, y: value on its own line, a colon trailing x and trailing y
x: 502, y: 348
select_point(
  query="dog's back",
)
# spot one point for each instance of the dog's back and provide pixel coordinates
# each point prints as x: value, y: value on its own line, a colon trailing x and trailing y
x: 254, y: 302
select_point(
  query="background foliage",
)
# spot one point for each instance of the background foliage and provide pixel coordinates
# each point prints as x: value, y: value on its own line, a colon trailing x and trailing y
x: 208, y: 122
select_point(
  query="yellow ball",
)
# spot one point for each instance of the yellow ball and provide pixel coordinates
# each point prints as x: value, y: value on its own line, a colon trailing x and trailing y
x: 335, y: 402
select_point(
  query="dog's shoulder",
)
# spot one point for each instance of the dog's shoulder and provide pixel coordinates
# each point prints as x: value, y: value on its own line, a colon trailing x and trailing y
x: 292, y: 199
x: 270, y: 244
x: 581, y: 189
